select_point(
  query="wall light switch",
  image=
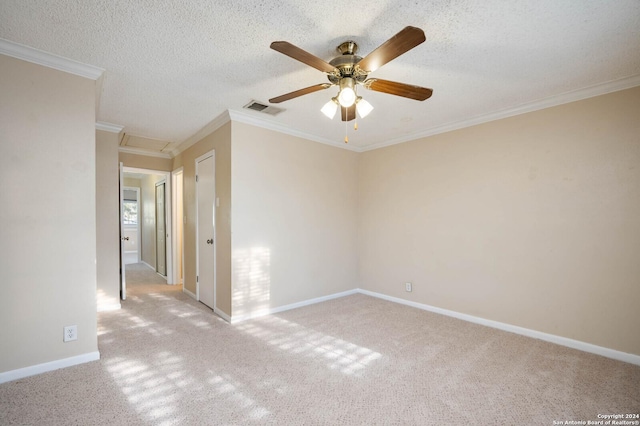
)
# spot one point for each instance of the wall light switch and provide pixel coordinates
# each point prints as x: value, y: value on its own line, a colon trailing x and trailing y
x: 407, y: 286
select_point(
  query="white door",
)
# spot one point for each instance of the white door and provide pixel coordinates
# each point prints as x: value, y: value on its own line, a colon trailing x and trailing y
x: 131, y: 224
x: 123, y: 281
x: 205, y: 195
x: 161, y: 231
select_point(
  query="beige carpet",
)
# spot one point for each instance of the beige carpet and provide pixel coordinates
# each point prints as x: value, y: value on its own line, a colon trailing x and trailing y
x: 167, y: 360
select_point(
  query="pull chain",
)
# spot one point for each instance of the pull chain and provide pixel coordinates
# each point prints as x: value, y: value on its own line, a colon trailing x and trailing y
x: 346, y: 132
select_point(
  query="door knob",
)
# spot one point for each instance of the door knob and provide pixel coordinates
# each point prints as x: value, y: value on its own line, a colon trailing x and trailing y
x: 125, y: 238
x: 210, y: 241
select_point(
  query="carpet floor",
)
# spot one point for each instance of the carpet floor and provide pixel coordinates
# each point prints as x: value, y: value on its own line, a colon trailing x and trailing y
x: 357, y: 360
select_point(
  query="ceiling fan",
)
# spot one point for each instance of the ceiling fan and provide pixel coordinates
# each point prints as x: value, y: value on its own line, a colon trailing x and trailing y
x: 349, y: 70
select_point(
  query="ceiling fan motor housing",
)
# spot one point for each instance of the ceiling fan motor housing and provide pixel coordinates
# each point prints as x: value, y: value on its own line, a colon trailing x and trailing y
x: 346, y: 63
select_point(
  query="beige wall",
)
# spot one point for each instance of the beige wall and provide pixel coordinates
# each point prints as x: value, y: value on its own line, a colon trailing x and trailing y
x: 145, y: 162
x: 294, y: 219
x: 48, y: 171
x: 220, y: 141
x: 148, y: 218
x: 132, y: 182
x: 531, y: 220
x: 107, y: 220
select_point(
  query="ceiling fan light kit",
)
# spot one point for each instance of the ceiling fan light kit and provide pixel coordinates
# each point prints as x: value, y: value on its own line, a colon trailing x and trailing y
x: 363, y: 107
x: 330, y: 108
x: 347, y: 95
x: 349, y: 70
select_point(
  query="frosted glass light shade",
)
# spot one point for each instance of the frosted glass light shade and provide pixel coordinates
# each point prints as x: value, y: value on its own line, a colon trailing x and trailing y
x: 364, y: 108
x: 329, y: 109
x: 347, y: 95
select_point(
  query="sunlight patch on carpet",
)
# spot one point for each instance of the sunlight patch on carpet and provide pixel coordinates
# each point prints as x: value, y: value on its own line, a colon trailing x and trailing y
x: 346, y: 357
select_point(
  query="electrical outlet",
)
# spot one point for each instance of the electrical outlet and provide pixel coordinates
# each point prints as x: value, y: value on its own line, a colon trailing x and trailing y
x: 70, y: 333
x: 407, y: 286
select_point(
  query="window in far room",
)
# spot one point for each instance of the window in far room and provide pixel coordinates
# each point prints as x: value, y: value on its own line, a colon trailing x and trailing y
x: 129, y: 212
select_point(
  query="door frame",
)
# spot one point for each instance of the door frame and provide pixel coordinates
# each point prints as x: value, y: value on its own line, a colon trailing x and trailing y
x: 166, y: 228
x: 211, y: 153
x: 123, y: 278
x: 177, y: 196
x: 167, y: 203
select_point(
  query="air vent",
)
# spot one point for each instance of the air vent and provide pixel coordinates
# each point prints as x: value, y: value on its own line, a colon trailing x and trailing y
x: 265, y: 109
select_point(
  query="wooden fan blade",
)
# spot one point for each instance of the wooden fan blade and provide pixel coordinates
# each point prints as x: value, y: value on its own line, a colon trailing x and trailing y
x: 348, y: 113
x: 400, y: 43
x: 300, y: 92
x: 303, y: 56
x: 399, y: 89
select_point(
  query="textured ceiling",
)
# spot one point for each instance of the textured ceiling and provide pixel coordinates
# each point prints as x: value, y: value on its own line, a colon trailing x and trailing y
x: 174, y: 66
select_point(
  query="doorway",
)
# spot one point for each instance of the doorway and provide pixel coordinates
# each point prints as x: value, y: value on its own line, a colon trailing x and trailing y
x: 154, y: 228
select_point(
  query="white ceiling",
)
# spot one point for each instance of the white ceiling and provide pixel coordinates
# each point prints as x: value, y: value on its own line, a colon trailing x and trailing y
x: 174, y: 66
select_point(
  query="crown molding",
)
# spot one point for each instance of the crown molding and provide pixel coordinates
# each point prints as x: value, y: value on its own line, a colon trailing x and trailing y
x: 145, y: 152
x: 209, y: 128
x: 253, y: 120
x: 564, y: 98
x: 108, y: 127
x: 40, y: 57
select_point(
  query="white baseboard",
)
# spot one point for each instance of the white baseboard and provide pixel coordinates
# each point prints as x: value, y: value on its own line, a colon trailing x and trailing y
x: 559, y: 340
x: 150, y: 267
x: 109, y: 307
x: 222, y: 314
x: 188, y: 293
x: 238, y: 318
x: 20, y: 373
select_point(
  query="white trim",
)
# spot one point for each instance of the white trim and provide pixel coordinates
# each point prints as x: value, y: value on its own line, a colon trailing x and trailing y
x: 268, y: 311
x: 106, y: 307
x: 108, y: 127
x: 123, y: 275
x: 40, y: 57
x: 32, y: 370
x: 149, y: 266
x: 244, y: 117
x: 145, y: 152
x: 563, y: 98
x: 188, y: 293
x: 222, y: 314
x: 247, y: 118
x: 209, y: 128
x: 146, y: 171
x: 176, y: 222
x: 558, y: 340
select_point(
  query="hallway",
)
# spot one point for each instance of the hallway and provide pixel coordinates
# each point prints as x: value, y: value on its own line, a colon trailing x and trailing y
x: 138, y: 274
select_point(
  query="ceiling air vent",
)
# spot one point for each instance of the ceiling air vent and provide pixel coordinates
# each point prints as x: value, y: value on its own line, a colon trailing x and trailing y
x: 260, y: 107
